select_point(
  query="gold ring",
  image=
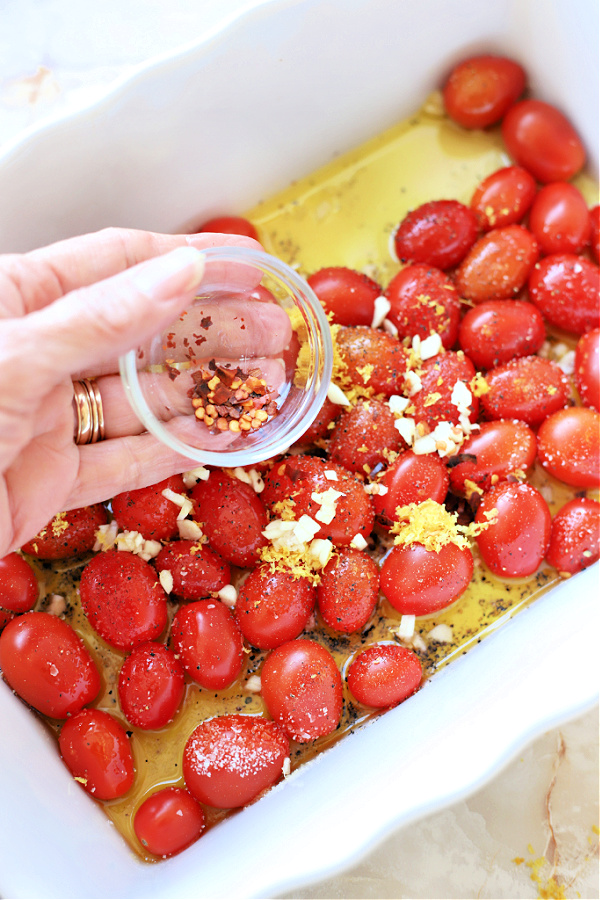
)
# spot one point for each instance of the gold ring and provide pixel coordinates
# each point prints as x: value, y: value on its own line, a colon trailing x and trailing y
x: 89, y: 415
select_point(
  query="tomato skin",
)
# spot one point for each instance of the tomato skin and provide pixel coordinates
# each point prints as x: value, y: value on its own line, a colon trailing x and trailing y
x: 168, y: 821
x: 565, y: 289
x: 595, y: 231
x: 229, y: 225
x: 515, y: 545
x: 196, y: 569
x: 411, y: 316
x: 233, y: 517
x: 5, y: 618
x: 71, y: 533
x: 209, y: 643
x: 438, y: 379
x: 480, y: 90
x: 362, y: 436
x: 348, y: 591
x: 503, y: 197
x: 498, y: 265
x: 147, y: 511
x: 229, y: 760
x: 417, y: 581
x: 348, y: 295
x: 542, y: 140
x: 410, y: 479
x: 384, y: 675
x: 496, y: 331
x: 438, y: 233
x: 96, y: 750
x: 360, y: 346
x: 587, y: 368
x: 559, y: 219
x: 151, y: 686
x: 302, y: 689
x: 529, y: 389
x: 273, y: 607
x: 500, y: 448
x: 47, y: 664
x: 320, y: 427
x: 568, y: 446
x: 18, y: 585
x: 575, y: 539
x: 123, y: 599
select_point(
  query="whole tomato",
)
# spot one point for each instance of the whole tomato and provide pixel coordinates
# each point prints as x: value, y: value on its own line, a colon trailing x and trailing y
x: 384, y: 675
x: 209, y: 643
x: 196, y: 569
x: 575, y: 536
x: 529, y: 389
x: 542, y: 140
x: 559, y: 219
x: 437, y: 233
x: 374, y: 358
x: 568, y: 446
x: 97, y: 752
x: 434, y: 401
x: 273, y: 607
x: 349, y: 296
x: 229, y: 225
x: 498, y: 265
x: 417, y: 581
x: 348, y: 591
x: 515, y: 544
x: 18, y: 585
x: 363, y: 436
x: 168, y: 821
x: 71, y: 533
x: 496, y: 331
x: 410, y: 479
x: 151, y: 686
x: 565, y: 288
x: 503, y: 197
x: 500, y: 448
x: 480, y: 90
x: 148, y: 511
x: 424, y: 301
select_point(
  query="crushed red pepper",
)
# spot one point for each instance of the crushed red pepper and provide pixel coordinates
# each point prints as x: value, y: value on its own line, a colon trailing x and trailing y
x: 228, y: 399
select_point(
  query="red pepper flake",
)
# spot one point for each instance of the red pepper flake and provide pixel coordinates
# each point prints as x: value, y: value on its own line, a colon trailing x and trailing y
x: 206, y: 322
x: 227, y: 399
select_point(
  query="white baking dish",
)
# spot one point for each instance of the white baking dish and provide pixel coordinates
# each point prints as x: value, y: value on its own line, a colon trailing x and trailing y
x: 219, y: 126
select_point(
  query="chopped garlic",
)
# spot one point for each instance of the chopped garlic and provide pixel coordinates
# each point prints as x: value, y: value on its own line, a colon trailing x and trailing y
x: 336, y: 395
x: 430, y: 347
x: 567, y: 362
x: 228, y: 595
x: 189, y: 530
x: 424, y: 444
x: 166, y: 579
x: 331, y: 475
x: 56, y: 605
x: 441, y: 634
x: 462, y: 397
x: 406, y: 629
x: 251, y: 477
x: 106, y: 536
x: 327, y: 501
x: 390, y: 328
x: 380, y: 311
x: 413, y: 383
x: 374, y: 487
x: 191, y: 478
x: 253, y: 684
x: 398, y: 404
x: 320, y: 551
x: 184, y: 503
x: 287, y: 767
x: 407, y: 428
x: 358, y: 542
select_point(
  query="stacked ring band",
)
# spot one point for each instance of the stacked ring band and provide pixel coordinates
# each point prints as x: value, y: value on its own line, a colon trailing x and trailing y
x: 89, y: 415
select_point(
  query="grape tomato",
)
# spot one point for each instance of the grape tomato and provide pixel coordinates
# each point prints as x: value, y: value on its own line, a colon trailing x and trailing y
x: 498, y: 265
x: 97, y: 752
x: 169, y: 821
x: 503, y: 198
x: 438, y: 233
x: 542, y: 140
x: 18, y: 584
x: 424, y: 301
x: 348, y: 296
x: 384, y: 674
x: 480, y: 90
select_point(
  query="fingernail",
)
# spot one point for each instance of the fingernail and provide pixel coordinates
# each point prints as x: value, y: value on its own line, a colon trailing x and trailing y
x: 168, y: 276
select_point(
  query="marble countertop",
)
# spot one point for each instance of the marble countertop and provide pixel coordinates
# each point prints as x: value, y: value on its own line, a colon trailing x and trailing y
x: 533, y: 830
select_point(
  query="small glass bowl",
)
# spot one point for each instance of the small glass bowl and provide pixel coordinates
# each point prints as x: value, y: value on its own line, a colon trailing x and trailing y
x: 255, y: 328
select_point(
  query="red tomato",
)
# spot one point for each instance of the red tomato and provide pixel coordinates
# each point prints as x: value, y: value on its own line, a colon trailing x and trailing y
x: 151, y: 685
x: 587, y: 368
x: 481, y: 89
x: 5, y: 618
x: 229, y: 225
x: 503, y: 197
x: 437, y: 233
x: 363, y: 436
x: 515, y: 545
x: 498, y: 449
x: 147, y: 511
x: 348, y: 295
x: 498, y: 265
x: 384, y: 675
x: 302, y: 689
x: 196, y: 569
x: 543, y: 141
x: 233, y: 517
x: 229, y: 760
x: 47, y: 664
x: 273, y: 607
x: 96, y: 750
x: 595, y: 231
x: 417, y: 581
x: 568, y: 446
x: 71, y: 533
x: 348, y: 591
x: 18, y: 584
x: 209, y: 643
x: 374, y: 359
x: 529, y: 389
x: 559, y: 219
x: 424, y: 301
x: 574, y: 539
x: 565, y: 288
x: 168, y: 821
x: 496, y: 331
x: 320, y: 427
x: 122, y: 598
x: 433, y: 402
x: 410, y: 479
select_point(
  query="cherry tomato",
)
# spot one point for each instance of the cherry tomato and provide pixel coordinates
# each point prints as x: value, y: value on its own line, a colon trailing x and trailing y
x: 417, y: 581
x: 503, y: 197
x: 374, y: 358
x: 559, y: 219
x: 498, y: 265
x: 348, y: 295
x: 565, y: 288
x: 424, y: 301
x: 587, y: 368
x: 595, y: 231
x: 515, y: 545
x: 481, y: 89
x: 209, y: 643
x: 229, y: 760
x: 168, y: 821
x: 498, y: 449
x: 348, y: 591
x: 496, y: 331
x: 5, y: 618
x: 568, y: 446
x: 302, y: 689
x: 96, y: 750
x: 574, y: 539
x: 122, y: 598
x: 363, y: 436
x: 47, y: 664
x: 542, y: 140
x: 229, y: 225
x: 529, y: 389
x: 71, y: 533
x: 273, y: 607
x: 437, y: 233
x: 410, y: 479
x: 151, y: 685
x: 233, y: 517
x: 148, y: 511
x: 18, y: 585
x: 433, y: 403
x: 196, y: 569
x: 320, y: 427
x: 384, y: 675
